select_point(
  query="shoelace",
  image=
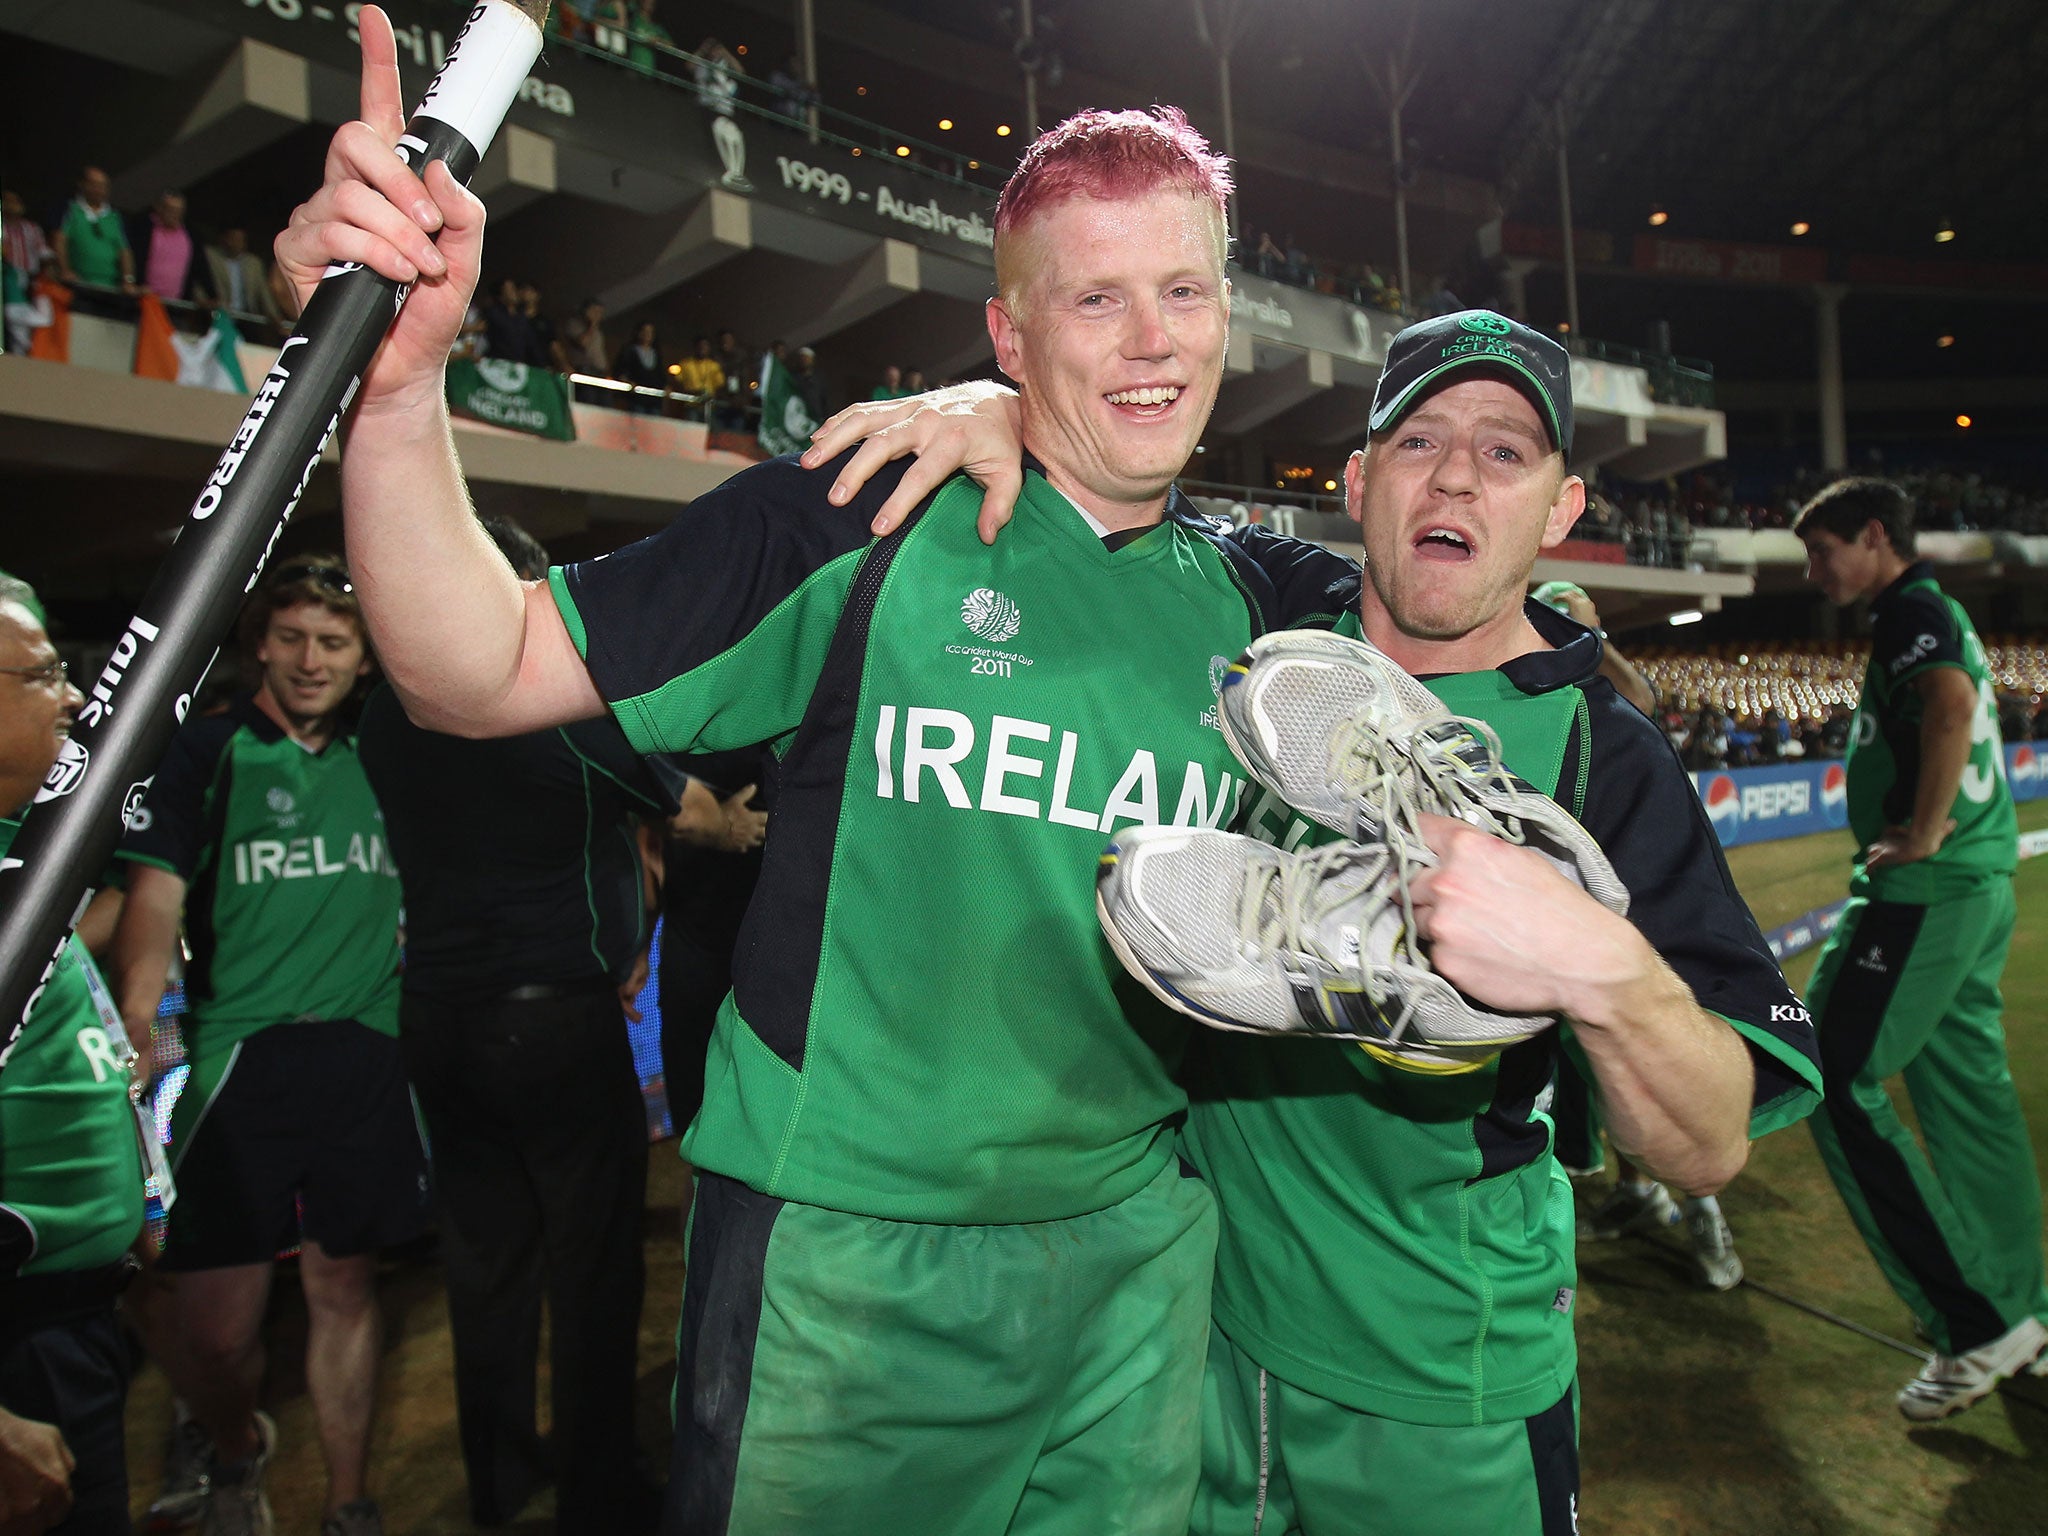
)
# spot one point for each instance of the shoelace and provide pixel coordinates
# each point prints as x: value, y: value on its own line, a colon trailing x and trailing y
x: 1298, y: 906
x: 1373, y: 764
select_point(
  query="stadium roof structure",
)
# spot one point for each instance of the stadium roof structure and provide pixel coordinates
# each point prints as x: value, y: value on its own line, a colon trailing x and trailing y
x: 1874, y: 121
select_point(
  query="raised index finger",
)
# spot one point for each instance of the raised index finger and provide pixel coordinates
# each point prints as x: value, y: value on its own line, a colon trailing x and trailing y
x: 382, y: 105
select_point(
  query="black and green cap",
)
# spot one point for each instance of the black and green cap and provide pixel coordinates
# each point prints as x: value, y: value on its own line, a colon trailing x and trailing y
x: 1419, y: 358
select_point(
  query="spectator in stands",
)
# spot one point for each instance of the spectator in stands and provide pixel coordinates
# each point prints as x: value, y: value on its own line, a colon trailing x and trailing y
x: 702, y: 376
x: 913, y: 381
x: 541, y: 353
x: 581, y: 347
x: 171, y: 265
x: 92, y: 245
x: 1835, y: 737
x: 23, y: 245
x: 1269, y: 260
x: 507, y: 332
x: 469, y: 340
x: 646, y: 37
x: 1707, y: 747
x: 1441, y: 301
x: 639, y: 362
x: 24, y: 253
x: 731, y: 415
x: 891, y: 387
x: 1770, y: 737
x: 809, y: 387
x: 1300, y: 271
x: 790, y: 95
x: 239, y: 279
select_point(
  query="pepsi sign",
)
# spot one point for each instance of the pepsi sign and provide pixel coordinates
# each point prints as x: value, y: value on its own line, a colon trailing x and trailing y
x: 1755, y: 805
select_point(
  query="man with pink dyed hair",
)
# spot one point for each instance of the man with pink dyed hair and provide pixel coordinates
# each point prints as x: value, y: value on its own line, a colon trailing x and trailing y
x: 945, y: 1272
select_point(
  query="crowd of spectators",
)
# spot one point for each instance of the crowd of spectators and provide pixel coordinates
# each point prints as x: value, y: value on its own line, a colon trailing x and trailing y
x: 92, y: 256
x: 1949, y: 500
x: 1359, y: 282
x: 1772, y: 702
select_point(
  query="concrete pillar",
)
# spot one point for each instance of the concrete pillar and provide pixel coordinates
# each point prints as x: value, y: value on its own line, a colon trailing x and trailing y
x: 1834, y: 422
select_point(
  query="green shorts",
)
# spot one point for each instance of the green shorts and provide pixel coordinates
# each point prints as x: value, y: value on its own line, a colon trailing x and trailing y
x: 1952, y: 1215
x: 842, y: 1375
x: 1278, y: 1461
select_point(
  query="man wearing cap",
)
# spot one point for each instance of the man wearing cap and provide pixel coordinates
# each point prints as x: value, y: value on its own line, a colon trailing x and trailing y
x: 1395, y: 1275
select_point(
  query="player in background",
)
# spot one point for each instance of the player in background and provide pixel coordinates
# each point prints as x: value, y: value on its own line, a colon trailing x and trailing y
x: 1907, y: 985
x: 262, y: 836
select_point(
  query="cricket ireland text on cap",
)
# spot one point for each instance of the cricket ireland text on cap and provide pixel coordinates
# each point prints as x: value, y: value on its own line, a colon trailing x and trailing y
x: 1422, y: 354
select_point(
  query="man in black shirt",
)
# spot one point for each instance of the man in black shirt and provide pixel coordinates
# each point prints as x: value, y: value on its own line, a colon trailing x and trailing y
x: 525, y: 919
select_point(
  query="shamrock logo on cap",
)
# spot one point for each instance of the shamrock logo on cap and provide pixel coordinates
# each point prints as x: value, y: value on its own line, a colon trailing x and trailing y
x: 1491, y: 325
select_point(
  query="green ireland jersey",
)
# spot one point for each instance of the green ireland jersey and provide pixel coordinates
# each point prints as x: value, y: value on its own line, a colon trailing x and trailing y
x: 292, y: 901
x: 70, y: 1172
x: 1914, y: 628
x: 1402, y: 1243
x: 926, y: 1023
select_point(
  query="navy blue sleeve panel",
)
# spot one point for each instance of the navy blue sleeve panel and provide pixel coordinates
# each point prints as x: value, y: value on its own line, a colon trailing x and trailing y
x: 663, y: 607
x: 1912, y: 631
x: 1311, y: 585
x: 172, y: 831
x: 655, y: 783
x: 1642, y: 809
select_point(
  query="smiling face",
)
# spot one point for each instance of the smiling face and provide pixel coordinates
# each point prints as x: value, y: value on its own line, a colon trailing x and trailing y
x: 310, y: 657
x: 1456, y: 500
x: 1114, y: 329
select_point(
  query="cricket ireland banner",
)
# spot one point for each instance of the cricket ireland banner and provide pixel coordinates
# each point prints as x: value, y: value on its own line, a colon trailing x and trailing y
x: 511, y: 395
x: 786, y: 424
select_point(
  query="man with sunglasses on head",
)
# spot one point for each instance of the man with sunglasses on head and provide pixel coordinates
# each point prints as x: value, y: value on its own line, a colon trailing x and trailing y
x: 296, y: 1127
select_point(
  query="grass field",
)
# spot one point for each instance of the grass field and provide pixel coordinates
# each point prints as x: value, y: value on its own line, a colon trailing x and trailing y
x: 1741, y: 1414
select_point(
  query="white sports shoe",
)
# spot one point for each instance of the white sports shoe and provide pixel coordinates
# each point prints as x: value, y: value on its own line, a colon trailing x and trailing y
x: 1349, y: 739
x: 1950, y: 1383
x: 240, y: 1507
x: 1714, y: 1258
x: 1632, y: 1209
x: 1245, y: 936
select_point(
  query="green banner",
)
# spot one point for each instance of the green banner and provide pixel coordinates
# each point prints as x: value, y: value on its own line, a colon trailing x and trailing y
x: 511, y: 395
x: 786, y: 424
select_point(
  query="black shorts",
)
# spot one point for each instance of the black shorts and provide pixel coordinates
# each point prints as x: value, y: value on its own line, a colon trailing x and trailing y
x: 302, y: 1130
